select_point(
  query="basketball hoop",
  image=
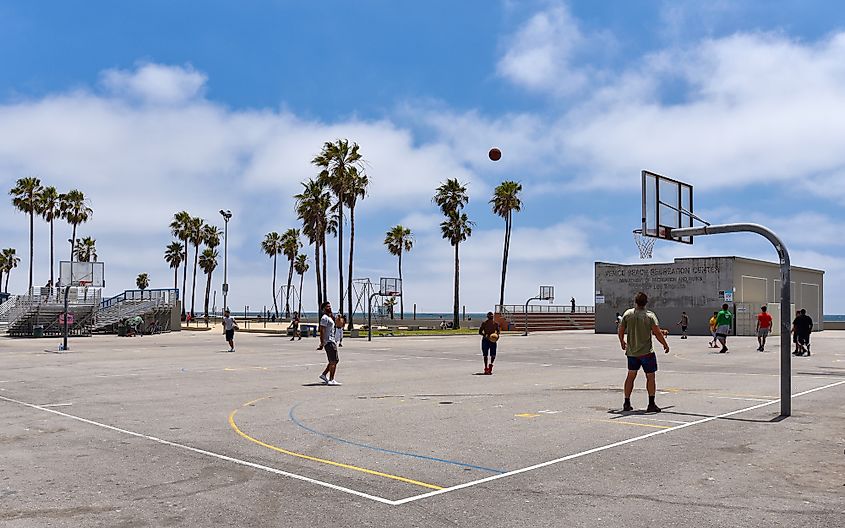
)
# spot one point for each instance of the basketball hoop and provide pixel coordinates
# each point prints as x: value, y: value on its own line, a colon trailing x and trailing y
x: 644, y: 244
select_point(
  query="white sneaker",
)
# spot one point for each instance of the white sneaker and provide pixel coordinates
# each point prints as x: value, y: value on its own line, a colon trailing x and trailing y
x: 231, y: 350
x: 334, y: 382
x: 324, y: 378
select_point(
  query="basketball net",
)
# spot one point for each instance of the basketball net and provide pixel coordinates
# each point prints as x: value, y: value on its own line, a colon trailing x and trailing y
x: 644, y: 244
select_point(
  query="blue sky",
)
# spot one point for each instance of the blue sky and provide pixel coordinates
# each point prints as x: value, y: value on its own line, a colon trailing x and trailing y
x: 158, y: 106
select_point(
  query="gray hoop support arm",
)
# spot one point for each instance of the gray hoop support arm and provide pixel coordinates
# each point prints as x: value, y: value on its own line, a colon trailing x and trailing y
x: 785, y: 296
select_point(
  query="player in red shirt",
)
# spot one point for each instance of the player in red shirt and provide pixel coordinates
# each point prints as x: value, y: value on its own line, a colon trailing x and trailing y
x: 764, y: 326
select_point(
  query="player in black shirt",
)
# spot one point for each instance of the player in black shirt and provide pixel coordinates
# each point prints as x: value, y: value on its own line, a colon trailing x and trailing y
x: 803, y: 327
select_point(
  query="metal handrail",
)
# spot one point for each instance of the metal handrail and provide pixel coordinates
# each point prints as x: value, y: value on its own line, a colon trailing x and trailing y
x: 544, y: 308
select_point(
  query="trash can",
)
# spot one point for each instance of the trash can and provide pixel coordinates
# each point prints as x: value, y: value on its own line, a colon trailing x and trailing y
x: 37, y: 331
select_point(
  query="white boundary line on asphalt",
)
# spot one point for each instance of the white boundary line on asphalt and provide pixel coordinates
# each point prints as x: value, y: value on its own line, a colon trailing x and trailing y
x: 204, y: 452
x: 602, y: 448
x: 424, y: 495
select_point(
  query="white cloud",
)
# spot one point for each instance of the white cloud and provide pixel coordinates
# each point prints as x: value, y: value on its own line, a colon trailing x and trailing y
x: 539, y: 54
x: 156, y: 83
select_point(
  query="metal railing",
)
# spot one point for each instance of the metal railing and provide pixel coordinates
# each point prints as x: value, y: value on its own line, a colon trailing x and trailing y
x: 161, y: 295
x: 506, y: 309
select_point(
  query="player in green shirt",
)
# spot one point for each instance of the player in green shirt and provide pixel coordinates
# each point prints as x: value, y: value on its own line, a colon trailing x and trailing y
x: 638, y: 325
x: 724, y: 323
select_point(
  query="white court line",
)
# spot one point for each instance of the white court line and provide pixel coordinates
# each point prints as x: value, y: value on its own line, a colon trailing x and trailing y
x: 602, y: 448
x: 424, y: 495
x: 743, y: 399
x: 204, y: 452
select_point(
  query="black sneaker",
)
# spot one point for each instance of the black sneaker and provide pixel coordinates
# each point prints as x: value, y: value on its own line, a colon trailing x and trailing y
x: 724, y: 349
x: 627, y: 407
x: 652, y: 408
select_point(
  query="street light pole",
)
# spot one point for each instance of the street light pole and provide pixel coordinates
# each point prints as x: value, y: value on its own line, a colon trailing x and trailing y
x: 226, y: 216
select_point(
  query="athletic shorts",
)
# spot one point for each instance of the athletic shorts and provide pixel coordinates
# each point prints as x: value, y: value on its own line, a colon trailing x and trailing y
x: 723, y: 330
x: 683, y: 329
x: 763, y: 332
x: 488, y: 347
x: 648, y: 362
x: 331, y: 352
x: 230, y: 335
x: 803, y: 338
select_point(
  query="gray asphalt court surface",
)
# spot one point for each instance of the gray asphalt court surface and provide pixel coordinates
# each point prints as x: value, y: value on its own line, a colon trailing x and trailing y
x: 172, y: 430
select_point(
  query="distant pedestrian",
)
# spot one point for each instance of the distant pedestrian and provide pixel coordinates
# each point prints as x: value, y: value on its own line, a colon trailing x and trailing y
x: 618, y: 319
x: 684, y: 323
x: 712, y: 325
x: 724, y: 323
x: 340, y: 324
x: 639, y: 325
x: 294, y: 325
x: 803, y: 327
x: 795, y: 334
x: 327, y: 343
x: 764, y: 326
x: 489, y: 331
x: 229, y: 327
x: 572, y: 302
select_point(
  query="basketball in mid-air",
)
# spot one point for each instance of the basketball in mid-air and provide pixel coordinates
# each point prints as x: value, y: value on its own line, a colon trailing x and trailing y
x: 495, y: 154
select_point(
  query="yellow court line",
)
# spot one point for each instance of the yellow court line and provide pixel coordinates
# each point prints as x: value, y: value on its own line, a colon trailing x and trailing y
x: 234, y: 426
x: 635, y: 423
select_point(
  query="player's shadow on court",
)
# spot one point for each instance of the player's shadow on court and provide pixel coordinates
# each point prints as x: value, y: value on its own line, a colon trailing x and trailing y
x: 315, y: 384
x: 635, y: 412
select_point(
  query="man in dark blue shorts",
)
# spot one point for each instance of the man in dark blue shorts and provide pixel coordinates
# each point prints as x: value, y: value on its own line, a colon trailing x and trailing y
x: 639, y: 325
x: 489, y: 330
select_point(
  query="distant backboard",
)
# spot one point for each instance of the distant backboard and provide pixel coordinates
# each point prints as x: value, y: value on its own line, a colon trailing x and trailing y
x: 667, y: 205
x: 547, y: 293
x: 82, y: 274
x: 390, y: 287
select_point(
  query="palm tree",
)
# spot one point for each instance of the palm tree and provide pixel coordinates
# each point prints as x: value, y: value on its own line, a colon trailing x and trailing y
x: 142, y: 282
x: 301, y: 267
x: 179, y: 229
x: 505, y: 201
x: 312, y: 206
x: 208, y: 263
x: 211, y: 235
x: 398, y: 240
x: 76, y: 211
x: 174, y: 256
x: 49, y: 208
x: 390, y: 303
x: 195, y: 237
x: 10, y: 262
x: 335, y: 160
x: 358, y: 183
x: 290, y: 247
x: 25, y: 199
x: 272, y: 247
x: 451, y: 197
x: 86, y: 249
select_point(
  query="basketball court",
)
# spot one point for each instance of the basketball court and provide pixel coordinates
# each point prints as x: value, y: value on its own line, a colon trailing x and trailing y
x: 170, y: 429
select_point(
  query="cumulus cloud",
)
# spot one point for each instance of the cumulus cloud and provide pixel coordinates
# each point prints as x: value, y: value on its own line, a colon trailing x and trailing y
x: 155, y: 83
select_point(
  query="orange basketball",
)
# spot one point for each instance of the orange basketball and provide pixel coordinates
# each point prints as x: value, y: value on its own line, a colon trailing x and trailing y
x: 495, y: 154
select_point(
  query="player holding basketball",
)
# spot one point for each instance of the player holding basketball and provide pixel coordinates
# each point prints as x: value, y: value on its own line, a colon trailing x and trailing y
x: 639, y: 325
x: 489, y: 331
x: 328, y: 343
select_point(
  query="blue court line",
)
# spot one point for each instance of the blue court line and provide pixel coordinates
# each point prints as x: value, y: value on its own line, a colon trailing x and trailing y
x: 389, y: 451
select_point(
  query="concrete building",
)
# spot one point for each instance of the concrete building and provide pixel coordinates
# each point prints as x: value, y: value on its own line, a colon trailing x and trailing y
x: 700, y: 286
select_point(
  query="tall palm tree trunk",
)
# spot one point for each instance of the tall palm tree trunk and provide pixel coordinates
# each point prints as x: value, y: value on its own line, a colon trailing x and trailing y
x: 73, y: 244
x: 319, y: 279
x: 299, y: 308
x: 401, y: 301
x: 185, y: 277
x: 207, y: 291
x: 325, y: 269
x: 8, y: 274
x: 505, y: 259
x: 455, y: 322
x: 52, y: 275
x: 194, y: 287
x: 340, y: 253
x: 287, y: 292
x: 176, y: 277
x: 275, y: 304
x: 31, y: 246
x: 351, y: 251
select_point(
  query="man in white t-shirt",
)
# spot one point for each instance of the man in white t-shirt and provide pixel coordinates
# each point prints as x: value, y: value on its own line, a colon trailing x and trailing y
x: 329, y: 344
x: 229, y: 327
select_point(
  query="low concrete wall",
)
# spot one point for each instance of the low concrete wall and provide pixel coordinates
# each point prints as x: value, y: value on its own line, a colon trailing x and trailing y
x: 834, y: 325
